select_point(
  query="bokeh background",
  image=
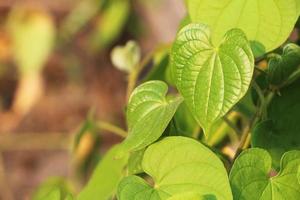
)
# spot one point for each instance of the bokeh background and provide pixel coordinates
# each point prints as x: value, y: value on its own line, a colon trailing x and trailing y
x: 55, y: 69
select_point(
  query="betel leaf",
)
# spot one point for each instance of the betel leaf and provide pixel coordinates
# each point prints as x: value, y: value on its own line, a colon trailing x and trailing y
x: 149, y: 112
x: 178, y: 165
x: 192, y: 196
x: 281, y: 67
x: 280, y: 132
x: 211, y: 79
x: 105, y: 177
x: 267, y: 23
x: 249, y: 176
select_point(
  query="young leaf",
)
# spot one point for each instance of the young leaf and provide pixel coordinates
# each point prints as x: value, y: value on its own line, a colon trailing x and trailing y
x: 250, y: 181
x: 105, y: 178
x: 148, y: 114
x: 280, y: 133
x: 126, y: 57
x: 281, y: 67
x: 267, y: 23
x: 211, y: 79
x: 178, y: 165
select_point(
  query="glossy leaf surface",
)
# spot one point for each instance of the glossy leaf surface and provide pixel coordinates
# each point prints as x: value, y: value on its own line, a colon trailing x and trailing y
x: 148, y: 114
x: 211, y: 79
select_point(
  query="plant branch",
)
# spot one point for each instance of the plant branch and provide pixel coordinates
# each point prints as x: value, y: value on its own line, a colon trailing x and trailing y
x: 111, y: 128
x: 260, y: 113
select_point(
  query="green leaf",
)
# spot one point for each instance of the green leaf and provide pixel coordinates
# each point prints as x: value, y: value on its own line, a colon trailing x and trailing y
x: 281, y: 67
x: 267, y: 23
x: 126, y: 57
x: 135, y: 162
x: 54, y: 188
x: 280, y: 133
x: 192, y: 196
x: 211, y: 79
x: 106, y: 177
x: 178, y: 165
x: 148, y: 114
x: 134, y: 187
x: 249, y: 176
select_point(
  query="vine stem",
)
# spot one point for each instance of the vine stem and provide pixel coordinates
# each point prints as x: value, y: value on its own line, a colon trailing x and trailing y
x: 134, y: 75
x: 261, y: 112
x: 111, y: 128
x: 231, y: 125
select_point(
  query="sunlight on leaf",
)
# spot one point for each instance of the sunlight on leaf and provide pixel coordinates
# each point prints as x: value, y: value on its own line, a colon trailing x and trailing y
x: 211, y: 79
x: 267, y: 22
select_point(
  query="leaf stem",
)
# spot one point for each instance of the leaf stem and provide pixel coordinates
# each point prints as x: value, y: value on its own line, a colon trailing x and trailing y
x: 133, y: 76
x: 260, y: 113
x: 102, y: 125
x: 196, y: 132
x: 260, y: 70
x: 231, y: 125
x: 263, y: 107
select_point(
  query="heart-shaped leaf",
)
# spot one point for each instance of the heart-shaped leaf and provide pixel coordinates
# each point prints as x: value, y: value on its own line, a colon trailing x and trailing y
x: 106, y: 176
x: 281, y: 67
x: 126, y: 57
x: 148, y: 114
x: 178, y: 165
x: 250, y: 181
x: 280, y: 132
x: 211, y: 79
x: 267, y: 23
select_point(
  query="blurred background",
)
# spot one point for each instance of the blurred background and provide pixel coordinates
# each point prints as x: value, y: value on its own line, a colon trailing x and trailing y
x: 56, y: 77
